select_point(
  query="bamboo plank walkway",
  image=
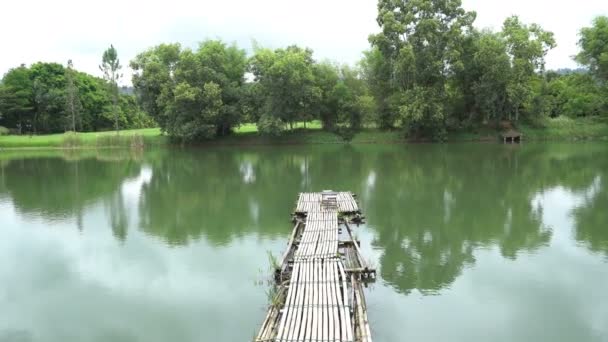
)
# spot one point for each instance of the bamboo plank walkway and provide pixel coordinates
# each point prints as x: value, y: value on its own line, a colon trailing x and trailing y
x: 320, y: 293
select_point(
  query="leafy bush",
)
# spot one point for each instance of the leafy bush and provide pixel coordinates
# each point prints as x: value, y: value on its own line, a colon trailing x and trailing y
x: 4, y: 130
x: 270, y: 125
x: 346, y: 133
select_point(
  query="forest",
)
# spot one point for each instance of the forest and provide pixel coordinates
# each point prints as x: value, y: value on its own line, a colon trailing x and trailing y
x: 427, y: 72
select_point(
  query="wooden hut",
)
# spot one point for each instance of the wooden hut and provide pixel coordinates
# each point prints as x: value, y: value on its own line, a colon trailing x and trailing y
x: 511, y: 136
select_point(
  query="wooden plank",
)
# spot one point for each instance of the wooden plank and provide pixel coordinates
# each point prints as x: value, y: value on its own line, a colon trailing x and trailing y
x: 287, y: 302
x: 295, y: 319
x: 303, y: 323
x: 310, y: 298
x: 315, y: 301
x: 359, y: 256
x: 348, y: 328
x: 324, y: 316
x: 289, y: 245
x: 330, y: 298
x: 340, y: 304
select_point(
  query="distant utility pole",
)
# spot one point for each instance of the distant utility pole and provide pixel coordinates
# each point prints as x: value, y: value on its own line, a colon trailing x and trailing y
x: 110, y: 66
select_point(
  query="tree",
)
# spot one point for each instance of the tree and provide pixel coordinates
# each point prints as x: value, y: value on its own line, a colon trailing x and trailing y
x: 574, y: 95
x: 193, y: 95
x: 347, y: 100
x: 39, y: 99
x: 154, y: 79
x: 288, y: 83
x: 421, y: 40
x: 71, y: 95
x: 491, y: 62
x: 594, y: 47
x: 527, y: 47
x: 16, y: 98
x: 325, y: 79
x: 376, y: 71
x: 110, y: 66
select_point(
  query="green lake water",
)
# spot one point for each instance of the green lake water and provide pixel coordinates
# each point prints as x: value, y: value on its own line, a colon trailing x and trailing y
x: 472, y: 242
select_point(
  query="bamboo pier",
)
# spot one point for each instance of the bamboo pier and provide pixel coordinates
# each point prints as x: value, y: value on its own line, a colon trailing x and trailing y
x: 319, y: 282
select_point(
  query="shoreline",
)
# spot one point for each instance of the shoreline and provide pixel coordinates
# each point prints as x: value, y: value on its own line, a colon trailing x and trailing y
x: 264, y: 141
x: 553, y: 131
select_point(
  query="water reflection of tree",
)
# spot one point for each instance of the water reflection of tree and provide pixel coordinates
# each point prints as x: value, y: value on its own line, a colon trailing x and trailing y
x: 432, y: 206
x: 220, y: 194
x: 55, y: 188
x: 117, y: 212
x: 592, y: 217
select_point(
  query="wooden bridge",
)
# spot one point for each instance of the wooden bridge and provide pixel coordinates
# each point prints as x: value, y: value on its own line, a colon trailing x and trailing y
x: 319, y: 283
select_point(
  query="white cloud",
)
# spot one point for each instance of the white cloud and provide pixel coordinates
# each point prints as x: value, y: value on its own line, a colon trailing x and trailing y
x: 59, y: 30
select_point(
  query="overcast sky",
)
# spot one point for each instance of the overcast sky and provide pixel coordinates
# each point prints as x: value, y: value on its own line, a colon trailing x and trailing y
x: 57, y: 30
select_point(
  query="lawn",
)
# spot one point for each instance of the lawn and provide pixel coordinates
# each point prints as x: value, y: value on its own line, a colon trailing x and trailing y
x: 560, y: 129
x: 88, y: 139
x: 564, y: 128
x: 150, y: 136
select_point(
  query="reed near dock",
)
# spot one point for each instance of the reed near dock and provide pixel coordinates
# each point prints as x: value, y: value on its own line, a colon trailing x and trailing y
x: 321, y: 275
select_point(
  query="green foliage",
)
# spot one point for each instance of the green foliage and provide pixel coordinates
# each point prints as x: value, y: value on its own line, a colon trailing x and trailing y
x: 526, y: 47
x: 574, y: 95
x: 270, y: 125
x: 346, y: 133
x: 490, y: 86
x: 376, y: 71
x: 73, y: 104
x: 4, y: 130
x: 288, y: 83
x: 110, y: 66
x: 594, y: 47
x: 16, y: 98
x: 421, y: 43
x: 39, y: 99
x: 428, y: 72
x: 192, y: 95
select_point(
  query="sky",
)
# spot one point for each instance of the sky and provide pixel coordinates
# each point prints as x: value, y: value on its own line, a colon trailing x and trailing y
x: 58, y: 30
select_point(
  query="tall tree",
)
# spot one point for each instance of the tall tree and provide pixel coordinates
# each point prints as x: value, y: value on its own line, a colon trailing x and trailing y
x: 376, y: 71
x: 594, y: 47
x: 287, y: 77
x: 71, y: 95
x: 527, y: 46
x: 16, y: 98
x: 193, y: 95
x: 421, y: 41
x: 154, y: 79
x: 110, y: 66
x: 491, y: 63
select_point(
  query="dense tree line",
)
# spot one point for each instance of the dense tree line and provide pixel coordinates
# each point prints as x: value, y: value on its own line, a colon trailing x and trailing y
x: 203, y: 93
x: 50, y: 98
x: 431, y: 71
x: 428, y: 71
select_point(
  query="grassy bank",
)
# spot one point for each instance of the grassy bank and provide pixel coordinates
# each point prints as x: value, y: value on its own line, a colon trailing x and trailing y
x: 558, y: 129
x: 147, y: 136
x: 566, y: 129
